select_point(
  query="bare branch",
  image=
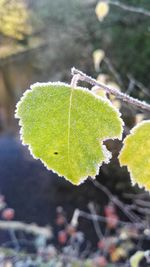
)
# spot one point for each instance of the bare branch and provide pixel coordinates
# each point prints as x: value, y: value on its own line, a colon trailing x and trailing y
x: 131, y: 215
x: 29, y: 228
x: 136, y: 196
x: 113, y: 71
x: 126, y: 98
x: 139, y: 10
x: 142, y: 203
x: 145, y: 211
x: 100, y: 218
x: 138, y: 84
x: 95, y: 222
x: 131, y: 87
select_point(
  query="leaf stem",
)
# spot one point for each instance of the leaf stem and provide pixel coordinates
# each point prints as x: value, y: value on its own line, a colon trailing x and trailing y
x: 75, y: 80
x: 124, y: 97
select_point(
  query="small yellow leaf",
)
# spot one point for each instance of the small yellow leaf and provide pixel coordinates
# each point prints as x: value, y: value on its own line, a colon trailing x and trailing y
x: 98, y: 91
x: 112, y: 84
x: 103, y: 78
x: 139, y: 117
x: 135, y: 259
x: 116, y: 103
x: 117, y: 254
x: 101, y: 10
x: 98, y: 56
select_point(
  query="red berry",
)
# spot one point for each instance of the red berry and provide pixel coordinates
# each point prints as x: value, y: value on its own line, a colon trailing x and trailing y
x: 8, y: 214
x: 111, y: 248
x: 62, y: 237
x: 112, y: 221
x: 101, y: 244
x: 101, y: 261
x: 60, y: 220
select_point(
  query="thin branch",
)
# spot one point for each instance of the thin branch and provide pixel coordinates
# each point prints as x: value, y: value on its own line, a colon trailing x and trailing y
x: 145, y: 211
x: 139, y: 10
x: 142, y: 203
x: 132, y: 216
x: 29, y: 228
x: 75, y: 217
x: 139, y: 85
x: 113, y: 71
x: 95, y: 222
x: 100, y: 218
x: 126, y: 98
x: 131, y: 87
x: 14, y: 239
x: 136, y: 196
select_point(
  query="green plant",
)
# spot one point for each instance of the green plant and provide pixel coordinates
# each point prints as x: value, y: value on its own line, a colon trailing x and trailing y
x: 13, y: 19
x: 65, y: 126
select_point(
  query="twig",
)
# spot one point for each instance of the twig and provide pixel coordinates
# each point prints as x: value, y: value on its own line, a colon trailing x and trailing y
x: 131, y: 87
x: 95, y: 222
x: 143, y: 210
x: 75, y: 217
x: 135, y: 196
x: 103, y: 219
x: 14, y: 239
x: 139, y: 10
x: 29, y: 228
x: 126, y: 98
x: 138, y: 84
x: 133, y: 217
x: 113, y: 71
x: 142, y: 203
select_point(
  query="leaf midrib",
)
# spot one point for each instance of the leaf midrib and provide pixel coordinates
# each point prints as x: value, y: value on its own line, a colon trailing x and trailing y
x: 69, y: 123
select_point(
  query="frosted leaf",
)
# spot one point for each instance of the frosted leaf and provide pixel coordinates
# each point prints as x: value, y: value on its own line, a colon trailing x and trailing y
x: 135, y: 154
x: 65, y: 127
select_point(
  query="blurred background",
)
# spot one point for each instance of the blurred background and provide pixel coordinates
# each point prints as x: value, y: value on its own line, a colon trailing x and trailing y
x: 102, y: 222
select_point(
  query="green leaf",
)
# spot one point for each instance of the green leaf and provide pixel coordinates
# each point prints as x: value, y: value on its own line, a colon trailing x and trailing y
x: 65, y: 128
x: 135, y: 154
